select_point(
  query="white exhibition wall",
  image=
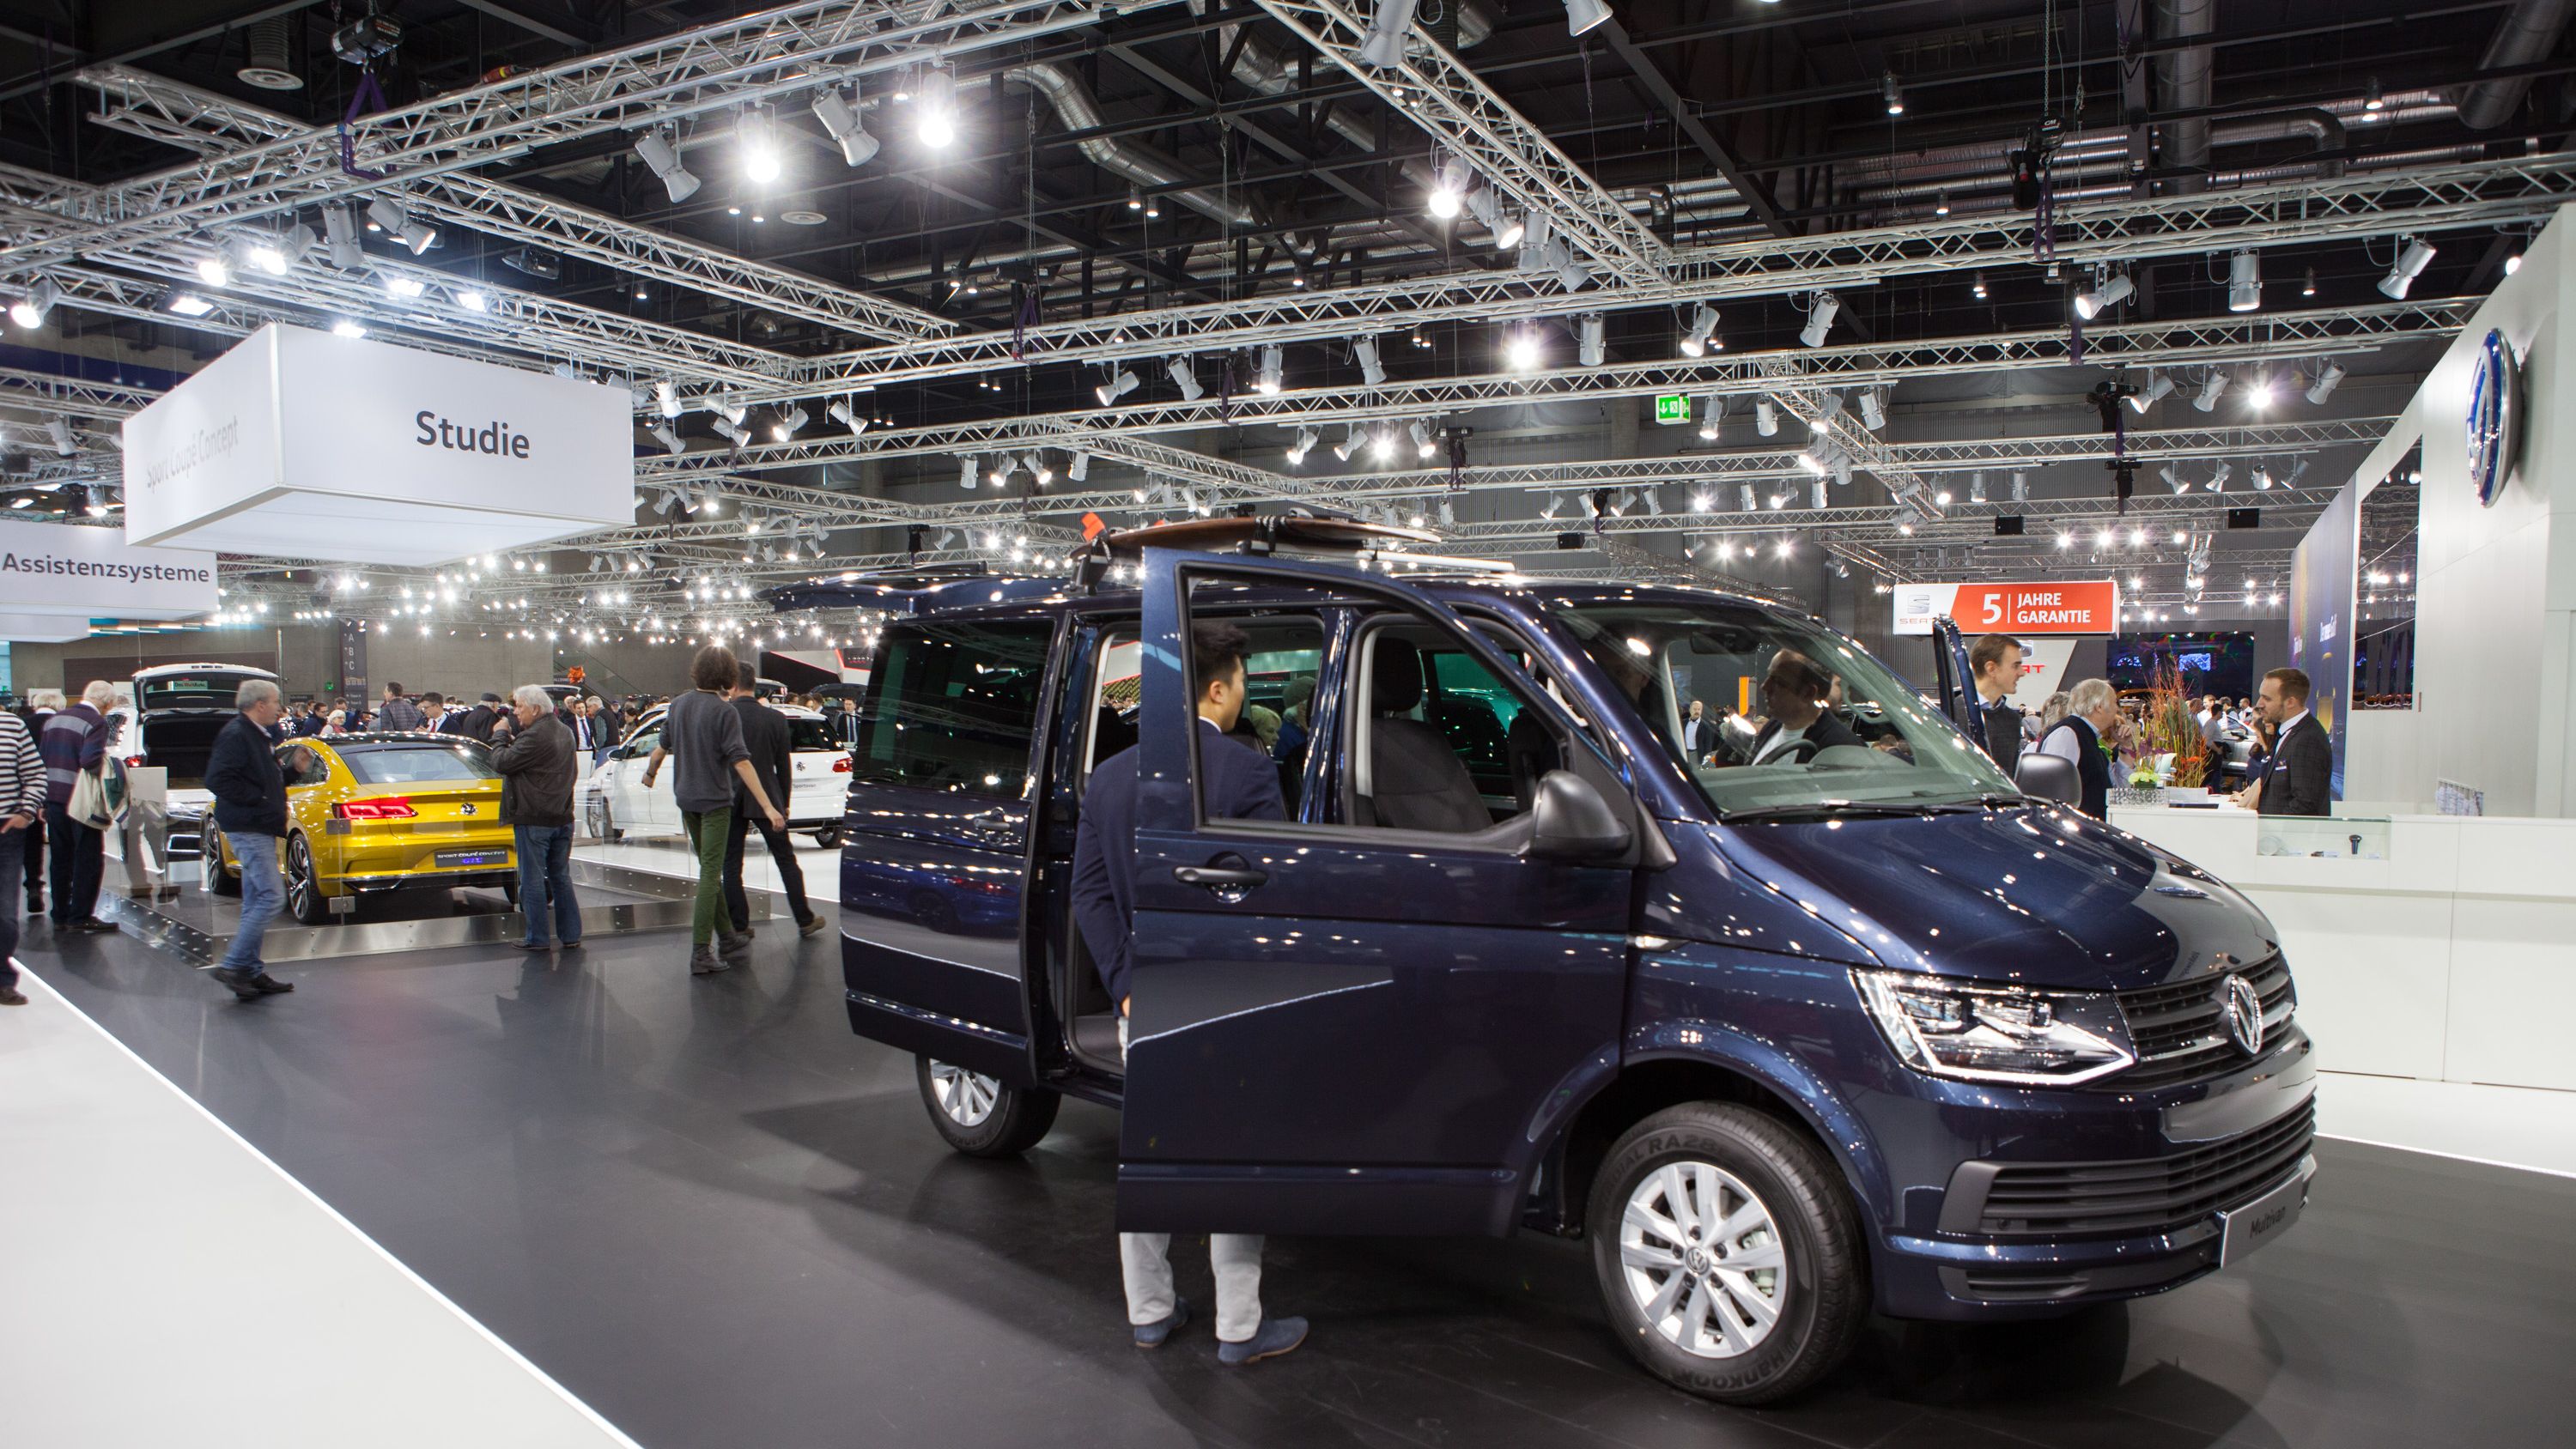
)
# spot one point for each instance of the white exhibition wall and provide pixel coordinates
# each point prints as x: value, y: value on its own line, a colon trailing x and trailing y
x: 2495, y: 658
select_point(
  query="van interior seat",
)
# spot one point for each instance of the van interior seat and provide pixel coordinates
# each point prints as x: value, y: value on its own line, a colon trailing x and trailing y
x: 1416, y: 782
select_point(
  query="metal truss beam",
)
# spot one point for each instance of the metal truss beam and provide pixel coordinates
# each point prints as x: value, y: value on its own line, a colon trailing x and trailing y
x: 1457, y: 109
x: 768, y: 53
x: 179, y: 115
x: 2481, y: 194
x: 46, y: 392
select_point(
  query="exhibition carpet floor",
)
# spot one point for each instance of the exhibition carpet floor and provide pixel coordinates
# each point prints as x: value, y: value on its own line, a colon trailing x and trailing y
x: 717, y: 1219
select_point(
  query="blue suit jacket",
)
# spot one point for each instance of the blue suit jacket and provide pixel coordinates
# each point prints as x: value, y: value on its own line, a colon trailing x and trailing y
x: 1239, y: 784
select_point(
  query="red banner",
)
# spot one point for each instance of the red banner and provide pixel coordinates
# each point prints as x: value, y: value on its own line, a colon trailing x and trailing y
x: 2088, y: 607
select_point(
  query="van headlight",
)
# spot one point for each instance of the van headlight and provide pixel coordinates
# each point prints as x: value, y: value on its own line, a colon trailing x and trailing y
x: 1977, y: 1033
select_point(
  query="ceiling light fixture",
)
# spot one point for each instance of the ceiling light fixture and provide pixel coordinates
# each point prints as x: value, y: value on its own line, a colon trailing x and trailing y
x: 388, y: 216
x: 2328, y: 377
x: 2158, y: 386
x: 2109, y: 293
x: 30, y: 310
x: 1820, y: 318
x: 1486, y: 207
x: 1766, y: 417
x: 340, y: 244
x: 841, y: 118
x: 1271, y: 374
x: 1305, y: 443
x: 1178, y: 369
x: 2210, y: 388
x: 2244, y: 280
x: 660, y: 150
x: 1372, y: 366
x: 936, y: 109
x: 1591, y: 339
x: 1703, y: 325
x: 1584, y: 15
x: 1891, y: 95
x: 787, y: 424
x: 1120, y: 383
x: 1420, y: 432
x: 1388, y: 29
x: 1447, y: 194
x: 848, y: 417
x: 2412, y: 257
x: 1521, y: 349
x: 756, y: 139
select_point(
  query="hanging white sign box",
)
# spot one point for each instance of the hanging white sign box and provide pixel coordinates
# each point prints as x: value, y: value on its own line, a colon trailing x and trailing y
x: 311, y: 445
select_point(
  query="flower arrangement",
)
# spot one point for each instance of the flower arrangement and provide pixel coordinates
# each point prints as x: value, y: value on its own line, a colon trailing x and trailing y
x: 2169, y: 730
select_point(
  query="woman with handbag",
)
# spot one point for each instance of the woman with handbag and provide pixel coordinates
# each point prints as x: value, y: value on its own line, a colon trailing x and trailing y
x: 74, y: 746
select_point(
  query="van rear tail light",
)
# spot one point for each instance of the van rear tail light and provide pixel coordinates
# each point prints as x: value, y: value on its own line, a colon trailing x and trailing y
x: 394, y: 808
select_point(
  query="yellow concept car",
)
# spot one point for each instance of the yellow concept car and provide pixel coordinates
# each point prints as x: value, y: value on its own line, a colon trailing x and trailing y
x: 367, y: 813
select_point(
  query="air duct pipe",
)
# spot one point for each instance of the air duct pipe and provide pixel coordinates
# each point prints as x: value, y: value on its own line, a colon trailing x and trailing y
x: 2182, y: 84
x: 1077, y: 111
x: 2528, y: 34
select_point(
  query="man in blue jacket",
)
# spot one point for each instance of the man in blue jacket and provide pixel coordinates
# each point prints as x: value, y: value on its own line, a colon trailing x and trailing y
x: 1238, y: 783
x: 250, y: 805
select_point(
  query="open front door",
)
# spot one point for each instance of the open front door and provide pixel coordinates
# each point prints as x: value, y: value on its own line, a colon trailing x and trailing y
x: 1950, y: 666
x: 1359, y: 1020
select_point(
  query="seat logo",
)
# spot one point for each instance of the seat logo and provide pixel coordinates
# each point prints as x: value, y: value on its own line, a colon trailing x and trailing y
x: 2243, y: 1006
x: 468, y: 808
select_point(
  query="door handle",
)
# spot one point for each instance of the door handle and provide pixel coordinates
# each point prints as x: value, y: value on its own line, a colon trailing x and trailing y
x: 1219, y: 877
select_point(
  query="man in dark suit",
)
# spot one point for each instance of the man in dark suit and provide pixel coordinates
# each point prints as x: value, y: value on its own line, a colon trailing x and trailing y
x: 1699, y: 732
x: 2298, y: 776
x: 1235, y: 783
x: 772, y: 746
x: 1995, y: 662
x: 1793, y: 691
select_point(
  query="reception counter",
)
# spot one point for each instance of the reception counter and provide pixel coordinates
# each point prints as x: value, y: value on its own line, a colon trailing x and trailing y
x: 2431, y: 946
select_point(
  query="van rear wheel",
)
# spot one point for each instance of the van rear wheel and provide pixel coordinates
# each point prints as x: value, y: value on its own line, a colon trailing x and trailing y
x: 1728, y: 1252
x: 978, y: 1115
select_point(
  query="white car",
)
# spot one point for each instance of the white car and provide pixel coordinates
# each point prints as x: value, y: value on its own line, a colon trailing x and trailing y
x: 178, y: 711
x: 615, y: 803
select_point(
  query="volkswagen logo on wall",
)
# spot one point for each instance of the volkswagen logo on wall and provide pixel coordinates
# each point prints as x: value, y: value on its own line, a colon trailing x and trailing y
x: 2242, y: 1005
x: 2495, y: 418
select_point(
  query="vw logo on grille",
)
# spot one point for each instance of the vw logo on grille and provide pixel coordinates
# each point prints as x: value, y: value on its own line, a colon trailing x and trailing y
x: 2243, y: 1006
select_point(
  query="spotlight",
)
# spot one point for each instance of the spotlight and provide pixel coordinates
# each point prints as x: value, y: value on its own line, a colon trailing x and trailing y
x: 1703, y: 325
x: 2218, y: 480
x: 1372, y: 367
x: 1447, y: 196
x: 661, y: 154
x: 340, y: 238
x: 846, y: 416
x: 1119, y: 385
x: 30, y: 310
x: 1388, y: 30
x: 2210, y: 388
x: 1305, y: 444
x: 2110, y: 293
x: 2412, y: 258
x: 1979, y: 290
x: 2513, y: 263
x: 965, y: 473
x: 1178, y: 369
x: 936, y: 109
x: 841, y: 119
x: 1977, y: 486
x: 1504, y: 226
x: 274, y: 255
x: 1036, y: 464
x: 1382, y: 445
x: 1583, y: 15
x: 2244, y: 281
x: 215, y: 270
x: 1272, y: 373
x: 1873, y: 410
x: 669, y: 438
x: 405, y: 288
x: 388, y: 216
x: 1349, y: 444
x: 1711, y: 410
x: 342, y: 328
x: 1890, y: 95
x: 1420, y: 432
x: 1079, y: 468
x: 2258, y: 393
x: 1572, y: 272
x: 1746, y: 494
x: 2308, y: 288
x: 1812, y: 459
x: 1521, y: 349
x: 1766, y: 417
x: 2020, y: 487
x: 2158, y: 386
x: 787, y: 424
x: 1591, y: 339
x: 756, y: 138
x: 60, y: 430
x: 738, y: 434
x: 2373, y: 99
x: 1820, y: 319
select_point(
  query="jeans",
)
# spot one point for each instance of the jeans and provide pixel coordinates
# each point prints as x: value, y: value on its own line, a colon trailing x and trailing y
x: 707, y: 830
x: 791, y: 876
x: 80, y: 857
x: 13, y: 857
x: 1145, y: 1265
x: 34, y: 863
x: 545, y: 875
x: 263, y: 891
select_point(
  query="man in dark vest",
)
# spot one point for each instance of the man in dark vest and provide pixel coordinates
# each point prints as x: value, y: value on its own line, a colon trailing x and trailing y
x: 2092, y: 712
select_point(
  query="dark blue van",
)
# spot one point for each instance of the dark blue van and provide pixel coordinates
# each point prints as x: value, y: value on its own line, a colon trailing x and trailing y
x: 1790, y: 1025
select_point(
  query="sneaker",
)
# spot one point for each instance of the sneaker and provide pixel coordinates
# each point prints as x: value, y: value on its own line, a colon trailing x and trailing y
x: 12, y: 996
x: 1277, y: 1336
x: 734, y: 948
x: 813, y: 926
x: 1153, y: 1335
x: 703, y: 962
x: 238, y: 980
x: 270, y: 986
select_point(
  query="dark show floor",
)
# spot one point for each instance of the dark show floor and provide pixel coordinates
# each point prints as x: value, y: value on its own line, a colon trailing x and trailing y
x: 722, y: 1221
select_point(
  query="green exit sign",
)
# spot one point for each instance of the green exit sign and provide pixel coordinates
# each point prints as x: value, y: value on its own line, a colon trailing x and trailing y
x: 1672, y: 409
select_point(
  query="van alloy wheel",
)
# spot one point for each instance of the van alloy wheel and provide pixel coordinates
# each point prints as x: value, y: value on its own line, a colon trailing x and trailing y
x: 967, y: 1097
x: 1703, y: 1259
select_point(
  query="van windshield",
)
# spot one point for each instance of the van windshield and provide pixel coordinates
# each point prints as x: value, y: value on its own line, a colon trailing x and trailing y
x: 1791, y: 715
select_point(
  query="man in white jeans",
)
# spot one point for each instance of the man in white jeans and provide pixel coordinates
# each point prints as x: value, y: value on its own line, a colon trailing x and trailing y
x: 1238, y: 783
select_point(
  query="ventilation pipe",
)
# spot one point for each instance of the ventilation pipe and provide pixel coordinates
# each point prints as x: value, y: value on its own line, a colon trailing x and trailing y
x: 2182, y: 84
x: 2529, y: 34
x: 2322, y: 128
x: 1077, y: 111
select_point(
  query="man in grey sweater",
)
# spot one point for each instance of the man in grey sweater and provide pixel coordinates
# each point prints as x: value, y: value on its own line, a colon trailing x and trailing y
x: 703, y: 733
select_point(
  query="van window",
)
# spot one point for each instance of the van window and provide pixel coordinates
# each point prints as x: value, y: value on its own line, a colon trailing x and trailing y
x: 1278, y: 694
x: 952, y: 706
x: 1434, y: 746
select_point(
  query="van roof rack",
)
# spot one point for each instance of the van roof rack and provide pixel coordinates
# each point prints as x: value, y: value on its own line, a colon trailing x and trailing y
x: 1295, y: 530
x: 904, y: 587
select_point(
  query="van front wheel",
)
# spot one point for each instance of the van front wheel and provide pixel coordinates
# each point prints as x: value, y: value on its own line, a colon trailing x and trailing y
x: 978, y: 1115
x: 1729, y: 1256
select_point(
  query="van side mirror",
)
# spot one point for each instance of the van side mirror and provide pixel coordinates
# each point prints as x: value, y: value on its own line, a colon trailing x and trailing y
x: 1570, y: 821
x: 2049, y: 778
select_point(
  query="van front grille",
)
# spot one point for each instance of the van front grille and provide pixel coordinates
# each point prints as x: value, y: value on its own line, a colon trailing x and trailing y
x: 2180, y: 1029
x: 2143, y: 1195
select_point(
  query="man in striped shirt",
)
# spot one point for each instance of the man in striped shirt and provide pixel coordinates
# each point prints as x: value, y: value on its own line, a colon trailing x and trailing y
x: 22, y: 804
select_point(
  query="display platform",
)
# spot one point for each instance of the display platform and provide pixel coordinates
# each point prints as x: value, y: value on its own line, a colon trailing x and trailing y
x: 198, y: 925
